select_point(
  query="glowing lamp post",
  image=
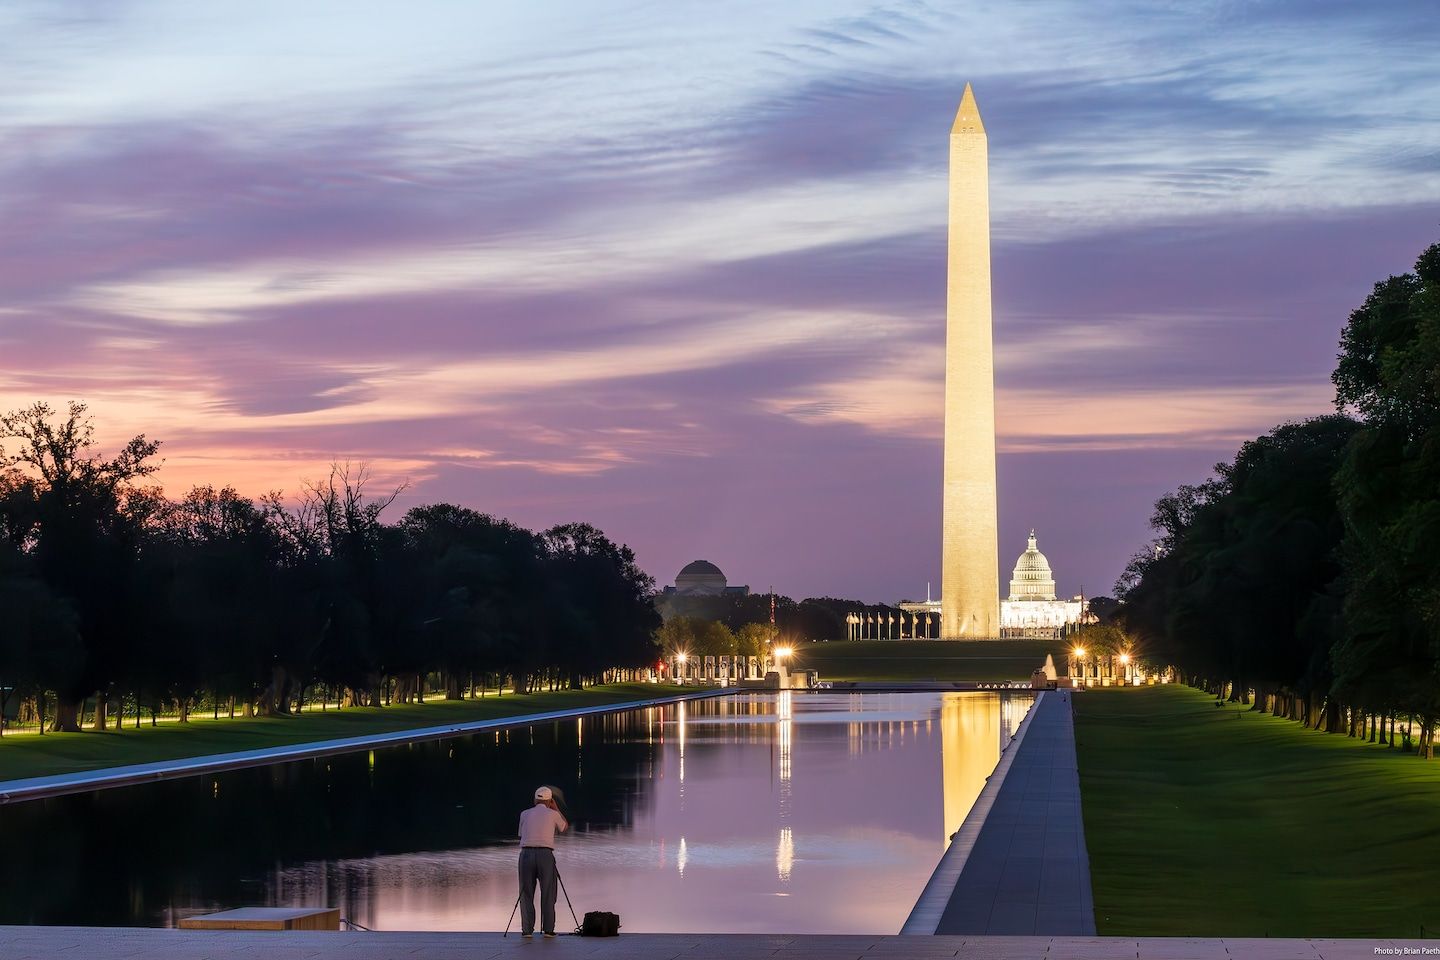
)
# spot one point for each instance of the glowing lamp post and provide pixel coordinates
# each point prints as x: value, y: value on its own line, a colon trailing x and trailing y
x: 680, y: 660
x: 781, y: 655
x: 1079, y: 660
x: 1125, y: 667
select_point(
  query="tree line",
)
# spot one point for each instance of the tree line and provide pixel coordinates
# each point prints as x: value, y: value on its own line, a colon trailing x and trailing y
x: 1305, y: 574
x: 113, y: 593
x: 696, y: 636
x: 796, y: 621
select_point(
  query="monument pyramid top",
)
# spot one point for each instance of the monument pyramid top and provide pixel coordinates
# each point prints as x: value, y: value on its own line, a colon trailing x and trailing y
x: 967, y: 118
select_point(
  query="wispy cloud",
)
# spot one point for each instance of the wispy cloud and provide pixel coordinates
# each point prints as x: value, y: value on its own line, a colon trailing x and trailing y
x: 682, y: 272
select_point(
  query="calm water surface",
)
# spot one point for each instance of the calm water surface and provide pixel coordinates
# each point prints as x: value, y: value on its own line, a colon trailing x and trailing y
x: 749, y: 813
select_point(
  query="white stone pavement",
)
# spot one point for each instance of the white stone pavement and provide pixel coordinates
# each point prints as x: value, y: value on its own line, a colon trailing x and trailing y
x: 51, y: 943
x: 36, y: 788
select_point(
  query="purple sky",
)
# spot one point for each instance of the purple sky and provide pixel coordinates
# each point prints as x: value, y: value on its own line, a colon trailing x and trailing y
x: 678, y: 269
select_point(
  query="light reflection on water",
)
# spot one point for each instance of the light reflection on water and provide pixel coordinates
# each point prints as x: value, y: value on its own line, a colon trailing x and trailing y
x: 757, y: 812
x: 770, y: 813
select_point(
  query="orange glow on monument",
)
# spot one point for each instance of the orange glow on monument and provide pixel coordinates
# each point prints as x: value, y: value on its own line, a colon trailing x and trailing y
x: 970, y: 575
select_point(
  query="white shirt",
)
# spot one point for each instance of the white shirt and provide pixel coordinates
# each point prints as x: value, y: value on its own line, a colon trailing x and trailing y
x: 538, y: 826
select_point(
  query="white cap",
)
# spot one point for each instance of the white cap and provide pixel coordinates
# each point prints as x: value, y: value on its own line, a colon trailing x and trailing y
x: 542, y: 793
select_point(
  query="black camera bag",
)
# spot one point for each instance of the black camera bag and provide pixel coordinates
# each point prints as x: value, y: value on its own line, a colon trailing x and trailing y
x: 597, y: 923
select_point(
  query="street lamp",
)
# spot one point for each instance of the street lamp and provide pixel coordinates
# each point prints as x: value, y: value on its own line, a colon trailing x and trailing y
x: 1125, y: 667
x: 781, y: 654
x: 1079, y: 654
x: 680, y: 659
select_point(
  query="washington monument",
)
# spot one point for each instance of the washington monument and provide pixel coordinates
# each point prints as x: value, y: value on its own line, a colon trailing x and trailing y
x: 969, y: 577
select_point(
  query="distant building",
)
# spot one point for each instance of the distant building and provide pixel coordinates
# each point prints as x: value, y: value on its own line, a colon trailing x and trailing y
x: 1033, y: 610
x: 701, y: 578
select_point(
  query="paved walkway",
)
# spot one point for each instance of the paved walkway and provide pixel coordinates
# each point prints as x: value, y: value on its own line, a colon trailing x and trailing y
x: 51, y: 943
x: 36, y: 788
x: 1018, y: 865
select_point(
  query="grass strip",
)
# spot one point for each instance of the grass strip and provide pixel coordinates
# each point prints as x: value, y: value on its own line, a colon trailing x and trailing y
x: 31, y: 755
x: 928, y: 659
x: 1208, y: 822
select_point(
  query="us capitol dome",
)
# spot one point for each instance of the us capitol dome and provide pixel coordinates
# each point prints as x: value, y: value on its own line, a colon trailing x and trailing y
x: 1032, y: 579
x: 1033, y: 609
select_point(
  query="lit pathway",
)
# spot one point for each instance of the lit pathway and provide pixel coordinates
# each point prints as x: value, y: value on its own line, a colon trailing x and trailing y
x: 1018, y: 866
x: 36, y: 788
x: 46, y: 943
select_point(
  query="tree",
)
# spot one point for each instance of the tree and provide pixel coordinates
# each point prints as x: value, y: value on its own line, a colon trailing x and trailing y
x: 1306, y: 570
x: 1102, y: 608
x: 1101, y: 641
x: 86, y: 518
x: 111, y: 590
x: 602, y: 611
x: 39, y: 640
x: 483, y: 588
x: 237, y: 601
x: 752, y: 639
x: 1232, y: 589
x: 1389, y: 484
x: 679, y: 635
x: 369, y: 625
x: 715, y: 640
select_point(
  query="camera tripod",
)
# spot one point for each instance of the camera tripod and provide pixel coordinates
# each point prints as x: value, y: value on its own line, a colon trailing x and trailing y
x: 521, y: 894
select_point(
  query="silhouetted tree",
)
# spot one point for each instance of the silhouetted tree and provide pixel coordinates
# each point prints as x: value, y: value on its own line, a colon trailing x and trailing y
x: 1388, y: 656
x: 84, y: 518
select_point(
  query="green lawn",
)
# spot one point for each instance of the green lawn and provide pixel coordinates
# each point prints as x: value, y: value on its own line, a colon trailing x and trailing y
x: 29, y: 755
x: 1219, y: 822
x: 928, y: 659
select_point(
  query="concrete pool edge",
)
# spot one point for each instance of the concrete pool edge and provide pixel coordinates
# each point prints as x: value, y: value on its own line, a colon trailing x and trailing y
x: 925, y: 916
x: 106, y: 778
x: 43, y: 943
x: 1029, y: 872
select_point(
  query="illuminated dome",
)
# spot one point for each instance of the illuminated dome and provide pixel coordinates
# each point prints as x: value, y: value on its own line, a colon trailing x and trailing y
x: 700, y: 577
x: 1032, y: 579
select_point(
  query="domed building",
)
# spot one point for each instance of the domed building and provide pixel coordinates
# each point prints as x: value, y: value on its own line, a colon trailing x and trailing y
x: 1032, y: 579
x: 701, y: 578
x: 1033, y: 610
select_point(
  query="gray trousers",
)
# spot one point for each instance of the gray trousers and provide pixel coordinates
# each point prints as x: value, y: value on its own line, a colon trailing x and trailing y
x: 537, y: 865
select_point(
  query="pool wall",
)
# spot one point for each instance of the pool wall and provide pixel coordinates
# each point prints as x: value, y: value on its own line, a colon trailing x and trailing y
x: 39, y: 788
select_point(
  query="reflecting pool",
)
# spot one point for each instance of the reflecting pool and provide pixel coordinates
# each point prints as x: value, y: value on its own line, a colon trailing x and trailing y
x: 754, y: 812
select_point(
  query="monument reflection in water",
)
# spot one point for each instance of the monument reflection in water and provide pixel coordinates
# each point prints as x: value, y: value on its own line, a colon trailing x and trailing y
x: 747, y: 813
